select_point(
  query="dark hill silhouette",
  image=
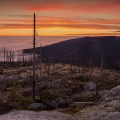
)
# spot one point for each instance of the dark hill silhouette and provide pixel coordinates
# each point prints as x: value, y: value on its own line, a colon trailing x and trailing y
x: 83, y: 50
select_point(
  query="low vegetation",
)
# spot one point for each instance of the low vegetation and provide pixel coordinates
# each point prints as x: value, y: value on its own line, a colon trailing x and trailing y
x: 56, y: 84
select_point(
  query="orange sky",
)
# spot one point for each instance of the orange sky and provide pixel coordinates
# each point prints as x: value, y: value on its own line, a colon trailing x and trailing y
x: 60, y: 18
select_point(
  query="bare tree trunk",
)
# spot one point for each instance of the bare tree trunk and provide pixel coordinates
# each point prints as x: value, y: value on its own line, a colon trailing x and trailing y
x: 34, y: 61
x: 71, y: 66
x: 102, y: 70
x: 49, y: 60
x: 4, y: 54
x: 10, y: 57
x: 23, y: 58
x: 18, y: 56
x: 40, y: 60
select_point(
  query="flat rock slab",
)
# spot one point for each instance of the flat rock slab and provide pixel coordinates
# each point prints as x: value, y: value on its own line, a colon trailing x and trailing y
x: 32, y: 115
x: 97, y: 113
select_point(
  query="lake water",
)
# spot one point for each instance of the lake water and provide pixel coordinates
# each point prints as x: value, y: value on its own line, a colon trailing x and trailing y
x: 20, y: 43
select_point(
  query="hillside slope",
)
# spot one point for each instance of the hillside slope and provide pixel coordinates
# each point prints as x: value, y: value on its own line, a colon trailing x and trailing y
x: 83, y: 49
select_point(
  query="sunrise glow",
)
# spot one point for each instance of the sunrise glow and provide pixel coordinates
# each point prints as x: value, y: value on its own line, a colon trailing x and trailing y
x: 60, y: 18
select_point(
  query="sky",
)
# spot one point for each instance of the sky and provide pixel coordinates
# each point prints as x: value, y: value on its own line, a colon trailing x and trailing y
x: 60, y: 17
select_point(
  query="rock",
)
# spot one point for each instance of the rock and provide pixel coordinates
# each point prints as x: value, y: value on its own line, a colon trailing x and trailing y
x: 53, y: 103
x: 75, y: 89
x: 112, y: 97
x: 14, y: 105
x: 32, y: 115
x: 90, y: 86
x: 5, y: 109
x: 69, y: 81
x: 81, y: 86
x: 38, y: 106
x: 58, y: 80
x: 112, y: 103
x: 113, y: 94
x: 97, y: 113
x: 63, y: 103
x: 117, y: 107
x: 110, y: 109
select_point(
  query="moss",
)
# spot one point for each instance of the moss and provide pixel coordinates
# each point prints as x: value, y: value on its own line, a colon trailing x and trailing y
x: 89, y: 98
x: 48, y: 95
x: 110, y: 84
x: 72, y: 111
x: 15, y: 95
x: 1, y: 71
x: 72, y: 84
x: 25, y: 102
x: 11, y: 85
x: 81, y: 78
x: 117, y: 107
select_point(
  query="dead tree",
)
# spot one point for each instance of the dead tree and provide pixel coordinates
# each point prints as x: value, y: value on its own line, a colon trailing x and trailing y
x: 102, y: 70
x: 71, y: 66
x: 34, y: 58
x: 49, y: 60
x: 4, y: 54
x: 40, y: 60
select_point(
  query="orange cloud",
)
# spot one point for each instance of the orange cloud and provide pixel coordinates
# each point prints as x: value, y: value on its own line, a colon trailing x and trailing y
x: 94, y: 34
x: 51, y: 24
x: 62, y: 22
x: 96, y: 7
x: 46, y: 7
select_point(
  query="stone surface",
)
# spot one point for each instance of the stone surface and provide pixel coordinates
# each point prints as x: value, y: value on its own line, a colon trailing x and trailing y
x: 117, y: 107
x: 90, y: 86
x: 31, y: 115
x: 108, y: 109
x: 38, y: 106
x: 97, y: 113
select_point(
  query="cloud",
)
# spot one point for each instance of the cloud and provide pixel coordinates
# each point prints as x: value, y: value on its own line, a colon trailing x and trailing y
x: 22, y: 16
x: 88, y: 6
x: 14, y: 26
x: 26, y: 21
x: 117, y: 31
x: 47, y: 22
x: 93, y: 34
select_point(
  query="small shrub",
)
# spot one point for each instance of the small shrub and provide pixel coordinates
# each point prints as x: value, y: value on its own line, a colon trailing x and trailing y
x: 110, y: 84
x: 72, y: 111
x: 1, y: 71
x: 81, y: 78
x: 48, y: 95
x: 15, y: 96
x: 25, y: 102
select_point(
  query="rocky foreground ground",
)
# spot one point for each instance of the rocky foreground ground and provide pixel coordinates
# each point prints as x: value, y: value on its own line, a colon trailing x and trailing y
x: 31, y: 115
x: 58, y: 88
x: 108, y: 108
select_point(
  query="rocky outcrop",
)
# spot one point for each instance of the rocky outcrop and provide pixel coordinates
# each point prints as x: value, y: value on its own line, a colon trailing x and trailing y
x: 112, y: 97
x: 97, y: 113
x: 31, y: 115
x: 90, y: 86
x: 108, y: 109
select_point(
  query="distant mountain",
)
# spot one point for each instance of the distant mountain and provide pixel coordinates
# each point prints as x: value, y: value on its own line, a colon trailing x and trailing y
x: 83, y: 50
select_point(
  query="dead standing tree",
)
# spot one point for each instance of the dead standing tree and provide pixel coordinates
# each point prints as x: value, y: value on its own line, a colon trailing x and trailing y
x: 49, y: 63
x: 102, y: 70
x: 34, y: 41
x: 4, y: 54
x: 40, y: 61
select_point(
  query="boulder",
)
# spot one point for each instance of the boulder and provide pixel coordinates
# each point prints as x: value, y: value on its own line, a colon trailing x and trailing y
x: 90, y: 86
x: 63, y: 103
x: 117, y: 107
x: 113, y: 94
x: 38, y: 106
